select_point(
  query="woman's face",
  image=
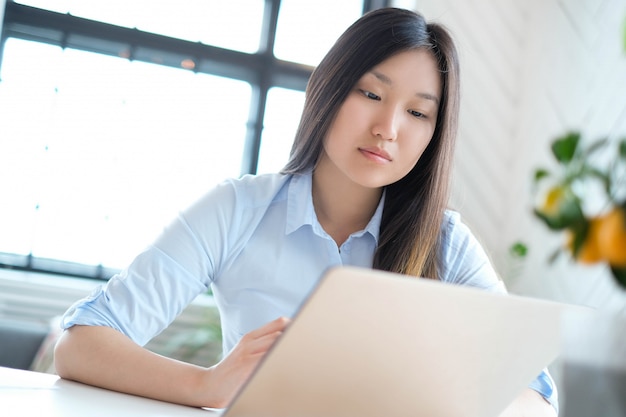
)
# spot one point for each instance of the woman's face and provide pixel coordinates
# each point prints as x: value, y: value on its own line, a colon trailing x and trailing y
x: 386, y: 121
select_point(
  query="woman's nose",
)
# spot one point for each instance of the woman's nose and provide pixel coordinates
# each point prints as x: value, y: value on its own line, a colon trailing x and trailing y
x: 385, y: 124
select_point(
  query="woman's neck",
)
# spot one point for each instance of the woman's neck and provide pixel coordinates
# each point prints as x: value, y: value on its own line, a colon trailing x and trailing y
x: 342, y: 206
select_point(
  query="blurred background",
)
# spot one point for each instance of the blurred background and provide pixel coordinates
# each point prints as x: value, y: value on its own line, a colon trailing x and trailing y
x: 114, y: 115
x: 531, y: 72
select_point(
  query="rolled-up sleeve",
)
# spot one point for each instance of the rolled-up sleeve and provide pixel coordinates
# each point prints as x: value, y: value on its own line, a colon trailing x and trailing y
x: 143, y: 299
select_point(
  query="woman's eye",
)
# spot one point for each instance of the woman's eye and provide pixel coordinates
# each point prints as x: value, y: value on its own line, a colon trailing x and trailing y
x: 370, y: 95
x: 417, y: 114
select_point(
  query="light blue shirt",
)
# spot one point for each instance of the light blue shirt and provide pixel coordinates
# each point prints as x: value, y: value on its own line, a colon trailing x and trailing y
x: 257, y: 243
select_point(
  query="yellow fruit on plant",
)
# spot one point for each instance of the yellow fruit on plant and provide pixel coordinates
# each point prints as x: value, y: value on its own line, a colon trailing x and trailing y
x: 553, y: 201
x: 611, y: 237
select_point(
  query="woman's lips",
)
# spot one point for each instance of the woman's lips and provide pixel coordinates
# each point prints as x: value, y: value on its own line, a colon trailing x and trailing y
x: 376, y: 154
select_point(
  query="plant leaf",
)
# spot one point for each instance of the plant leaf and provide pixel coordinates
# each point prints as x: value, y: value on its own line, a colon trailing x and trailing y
x: 518, y: 250
x: 548, y: 220
x: 580, y: 231
x: 622, y: 148
x: 567, y: 214
x: 620, y: 276
x: 564, y: 148
x: 554, y: 222
x: 541, y: 174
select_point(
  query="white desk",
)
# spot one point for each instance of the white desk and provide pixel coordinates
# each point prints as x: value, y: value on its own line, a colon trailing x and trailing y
x: 24, y: 393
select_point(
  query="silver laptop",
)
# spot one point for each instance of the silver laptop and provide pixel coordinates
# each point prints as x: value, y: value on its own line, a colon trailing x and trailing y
x: 371, y: 343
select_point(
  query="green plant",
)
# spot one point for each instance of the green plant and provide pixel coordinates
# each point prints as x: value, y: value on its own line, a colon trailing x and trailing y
x: 583, y: 174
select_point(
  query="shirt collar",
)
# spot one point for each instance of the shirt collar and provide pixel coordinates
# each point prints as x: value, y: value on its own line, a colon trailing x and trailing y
x: 300, y: 209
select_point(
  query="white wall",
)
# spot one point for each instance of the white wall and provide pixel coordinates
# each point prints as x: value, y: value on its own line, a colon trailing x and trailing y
x: 531, y: 71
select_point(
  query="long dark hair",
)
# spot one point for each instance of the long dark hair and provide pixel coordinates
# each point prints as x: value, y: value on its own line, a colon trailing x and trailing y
x: 414, y: 206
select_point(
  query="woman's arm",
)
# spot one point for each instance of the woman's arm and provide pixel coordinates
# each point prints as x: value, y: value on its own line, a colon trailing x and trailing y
x: 103, y: 357
x: 529, y: 404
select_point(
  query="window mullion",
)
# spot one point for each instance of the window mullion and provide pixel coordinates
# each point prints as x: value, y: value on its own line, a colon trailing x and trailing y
x: 259, y: 95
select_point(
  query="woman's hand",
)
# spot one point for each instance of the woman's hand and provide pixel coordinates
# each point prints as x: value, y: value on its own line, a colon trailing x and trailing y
x: 106, y: 358
x: 228, y: 376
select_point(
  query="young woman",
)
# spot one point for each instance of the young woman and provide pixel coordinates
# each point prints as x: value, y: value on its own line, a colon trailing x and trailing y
x: 366, y: 185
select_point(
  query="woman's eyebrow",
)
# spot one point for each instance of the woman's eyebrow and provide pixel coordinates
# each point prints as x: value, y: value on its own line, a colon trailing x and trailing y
x: 381, y: 77
x: 429, y: 97
x: 386, y: 80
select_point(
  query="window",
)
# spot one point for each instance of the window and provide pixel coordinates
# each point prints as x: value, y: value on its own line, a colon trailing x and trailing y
x: 299, y: 24
x: 282, y: 115
x: 117, y: 148
x: 115, y: 119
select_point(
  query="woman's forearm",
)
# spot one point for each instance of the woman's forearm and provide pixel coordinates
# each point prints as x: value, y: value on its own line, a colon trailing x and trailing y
x: 103, y: 357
